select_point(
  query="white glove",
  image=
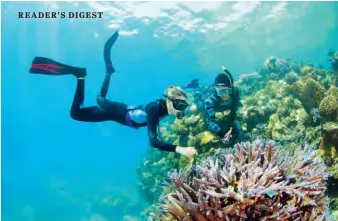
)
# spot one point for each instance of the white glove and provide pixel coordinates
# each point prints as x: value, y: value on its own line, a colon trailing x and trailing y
x: 186, y: 151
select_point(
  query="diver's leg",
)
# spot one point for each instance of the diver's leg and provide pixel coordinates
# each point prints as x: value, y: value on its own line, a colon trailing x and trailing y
x: 88, y: 114
x: 105, y: 86
x: 109, y: 66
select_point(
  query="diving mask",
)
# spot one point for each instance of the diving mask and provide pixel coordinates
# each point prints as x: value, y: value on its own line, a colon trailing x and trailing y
x: 224, y: 92
x: 178, y: 104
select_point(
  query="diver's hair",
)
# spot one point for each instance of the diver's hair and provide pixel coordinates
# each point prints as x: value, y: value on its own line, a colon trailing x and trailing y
x: 173, y: 91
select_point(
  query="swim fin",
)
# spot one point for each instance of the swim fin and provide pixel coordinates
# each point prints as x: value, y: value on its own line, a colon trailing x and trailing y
x: 106, y: 53
x: 46, y: 66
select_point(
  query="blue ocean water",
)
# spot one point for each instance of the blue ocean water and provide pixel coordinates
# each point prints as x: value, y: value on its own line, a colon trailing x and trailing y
x: 58, y: 169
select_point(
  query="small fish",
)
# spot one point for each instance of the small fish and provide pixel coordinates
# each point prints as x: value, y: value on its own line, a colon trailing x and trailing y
x: 191, y: 84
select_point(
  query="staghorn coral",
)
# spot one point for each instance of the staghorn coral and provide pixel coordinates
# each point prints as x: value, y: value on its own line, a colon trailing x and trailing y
x: 254, y: 181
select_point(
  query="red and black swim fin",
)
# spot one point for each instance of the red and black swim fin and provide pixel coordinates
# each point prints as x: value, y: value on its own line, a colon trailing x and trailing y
x: 46, y: 66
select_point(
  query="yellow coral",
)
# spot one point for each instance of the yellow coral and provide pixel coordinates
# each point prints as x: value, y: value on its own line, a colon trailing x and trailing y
x: 328, y: 147
x: 312, y: 93
x: 192, y: 120
x: 333, y: 151
x: 273, y: 121
x: 307, y: 69
x: 287, y: 90
x: 274, y: 126
x: 333, y: 91
x: 192, y: 141
x: 207, y: 137
x: 328, y: 106
x: 180, y: 128
x: 297, y: 103
x: 297, y: 87
x: 302, y: 116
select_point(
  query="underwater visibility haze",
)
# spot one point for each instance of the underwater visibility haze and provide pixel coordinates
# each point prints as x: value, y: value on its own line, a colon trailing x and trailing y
x: 283, y: 57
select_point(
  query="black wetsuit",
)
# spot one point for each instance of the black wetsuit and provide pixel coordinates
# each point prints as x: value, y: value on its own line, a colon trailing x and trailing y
x: 106, y: 110
x: 116, y: 111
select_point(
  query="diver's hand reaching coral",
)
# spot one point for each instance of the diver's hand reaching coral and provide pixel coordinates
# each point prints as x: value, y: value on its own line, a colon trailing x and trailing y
x: 227, y: 136
x: 186, y: 151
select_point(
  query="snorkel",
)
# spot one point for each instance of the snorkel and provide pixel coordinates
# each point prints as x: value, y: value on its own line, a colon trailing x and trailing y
x: 232, y: 81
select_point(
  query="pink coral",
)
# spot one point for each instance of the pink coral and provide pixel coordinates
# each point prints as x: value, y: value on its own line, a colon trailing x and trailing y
x: 254, y: 181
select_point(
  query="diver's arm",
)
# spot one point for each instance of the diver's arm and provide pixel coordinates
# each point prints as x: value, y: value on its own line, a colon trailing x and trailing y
x: 152, y: 132
x: 211, y: 121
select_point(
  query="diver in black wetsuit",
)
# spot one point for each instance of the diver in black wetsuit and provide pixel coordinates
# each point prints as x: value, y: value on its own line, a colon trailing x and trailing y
x: 147, y: 115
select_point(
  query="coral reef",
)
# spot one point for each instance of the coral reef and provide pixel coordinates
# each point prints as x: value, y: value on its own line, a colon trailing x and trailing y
x: 277, y: 68
x: 247, y: 83
x: 329, y: 146
x: 253, y: 181
x: 286, y: 102
x: 334, y: 60
x: 291, y: 78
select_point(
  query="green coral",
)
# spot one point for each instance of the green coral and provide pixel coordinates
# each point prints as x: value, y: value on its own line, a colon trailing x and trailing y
x: 180, y: 128
x: 307, y: 69
x: 312, y: 93
x: 329, y: 106
x: 291, y: 78
x: 333, y: 91
x: 328, y: 147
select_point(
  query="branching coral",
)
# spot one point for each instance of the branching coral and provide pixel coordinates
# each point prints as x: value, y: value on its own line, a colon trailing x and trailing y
x: 254, y: 181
